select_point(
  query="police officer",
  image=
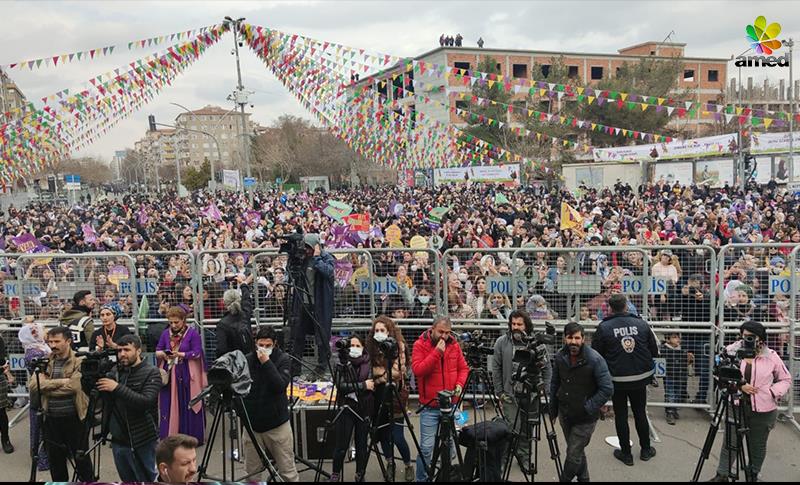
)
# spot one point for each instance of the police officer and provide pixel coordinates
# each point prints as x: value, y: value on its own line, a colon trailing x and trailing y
x: 629, y: 346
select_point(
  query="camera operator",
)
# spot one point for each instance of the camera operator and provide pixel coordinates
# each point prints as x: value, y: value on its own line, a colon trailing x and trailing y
x: 357, y: 390
x: 132, y: 411
x: 438, y: 364
x: 233, y: 329
x: 765, y: 387
x: 110, y: 334
x: 318, y: 271
x: 6, y: 381
x: 504, y: 368
x: 581, y: 385
x: 628, y: 345
x: 79, y: 319
x: 64, y: 405
x: 176, y: 456
x: 268, y: 407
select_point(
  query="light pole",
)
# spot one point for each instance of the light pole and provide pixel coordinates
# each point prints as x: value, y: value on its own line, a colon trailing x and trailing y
x: 790, y: 44
x: 240, y: 97
x: 740, y: 171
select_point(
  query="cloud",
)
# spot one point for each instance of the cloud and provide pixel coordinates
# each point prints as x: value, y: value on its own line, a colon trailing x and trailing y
x: 37, y: 29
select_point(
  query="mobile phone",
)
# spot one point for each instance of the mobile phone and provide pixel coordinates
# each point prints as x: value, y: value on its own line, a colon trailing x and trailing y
x: 168, y: 352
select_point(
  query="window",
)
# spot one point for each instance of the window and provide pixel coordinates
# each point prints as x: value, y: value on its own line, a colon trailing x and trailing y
x: 616, y: 72
x: 572, y: 72
x: 462, y: 65
x: 499, y: 68
x: 545, y: 70
x: 597, y: 72
x: 461, y: 104
x: 652, y: 53
x: 205, y: 145
x: 206, y: 154
x: 519, y: 70
x: 713, y: 75
x: 688, y: 75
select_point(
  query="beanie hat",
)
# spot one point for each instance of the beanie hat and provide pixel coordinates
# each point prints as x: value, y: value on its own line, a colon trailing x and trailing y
x: 755, y: 328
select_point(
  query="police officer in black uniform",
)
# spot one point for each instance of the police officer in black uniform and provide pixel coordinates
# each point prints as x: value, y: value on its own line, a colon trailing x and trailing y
x: 629, y: 346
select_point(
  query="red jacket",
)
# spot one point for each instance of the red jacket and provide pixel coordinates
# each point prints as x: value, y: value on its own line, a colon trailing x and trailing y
x: 436, y: 372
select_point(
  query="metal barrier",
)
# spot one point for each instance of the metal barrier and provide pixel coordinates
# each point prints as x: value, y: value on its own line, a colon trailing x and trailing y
x: 696, y: 292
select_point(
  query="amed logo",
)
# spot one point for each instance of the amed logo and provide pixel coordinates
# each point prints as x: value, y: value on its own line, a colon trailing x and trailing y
x: 763, y: 39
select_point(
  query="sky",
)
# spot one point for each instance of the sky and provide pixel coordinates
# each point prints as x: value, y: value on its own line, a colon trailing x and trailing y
x: 38, y: 29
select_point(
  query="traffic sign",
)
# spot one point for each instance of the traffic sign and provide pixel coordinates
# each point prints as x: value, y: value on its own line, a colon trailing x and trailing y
x: 249, y: 182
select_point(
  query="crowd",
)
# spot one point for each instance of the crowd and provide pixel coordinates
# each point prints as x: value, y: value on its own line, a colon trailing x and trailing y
x: 221, y: 231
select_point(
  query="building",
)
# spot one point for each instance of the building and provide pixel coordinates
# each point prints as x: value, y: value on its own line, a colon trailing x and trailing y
x: 704, y: 78
x: 224, y: 125
x: 158, y: 149
x: 767, y: 97
x: 11, y: 97
x: 116, y: 163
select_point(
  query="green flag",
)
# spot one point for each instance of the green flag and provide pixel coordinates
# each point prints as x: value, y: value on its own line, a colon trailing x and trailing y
x: 144, y: 311
x: 500, y: 199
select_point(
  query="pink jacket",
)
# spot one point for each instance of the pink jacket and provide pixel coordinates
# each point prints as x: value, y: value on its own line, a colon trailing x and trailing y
x: 770, y: 378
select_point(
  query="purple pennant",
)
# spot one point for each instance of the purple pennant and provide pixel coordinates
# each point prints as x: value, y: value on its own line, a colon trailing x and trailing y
x: 343, y: 271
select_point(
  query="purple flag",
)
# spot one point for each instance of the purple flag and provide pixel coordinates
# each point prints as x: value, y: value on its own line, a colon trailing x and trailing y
x: 343, y: 271
x: 376, y: 232
x: 252, y: 217
x: 212, y: 212
x: 88, y: 233
x: 27, y: 243
x: 142, y: 218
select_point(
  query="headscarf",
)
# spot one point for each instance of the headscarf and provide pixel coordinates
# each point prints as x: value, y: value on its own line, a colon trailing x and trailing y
x: 29, y: 341
x: 113, y: 308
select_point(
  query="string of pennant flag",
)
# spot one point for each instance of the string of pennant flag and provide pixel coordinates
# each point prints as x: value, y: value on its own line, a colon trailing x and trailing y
x: 98, y: 52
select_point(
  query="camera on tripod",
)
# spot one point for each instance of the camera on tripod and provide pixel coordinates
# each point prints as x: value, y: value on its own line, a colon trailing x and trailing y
x: 39, y: 363
x: 445, y: 399
x: 476, y: 347
x: 294, y: 246
x: 534, y: 354
x: 727, y: 368
x: 97, y: 364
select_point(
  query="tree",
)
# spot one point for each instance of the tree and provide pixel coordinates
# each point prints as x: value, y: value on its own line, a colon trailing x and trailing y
x: 92, y: 171
x: 195, y: 179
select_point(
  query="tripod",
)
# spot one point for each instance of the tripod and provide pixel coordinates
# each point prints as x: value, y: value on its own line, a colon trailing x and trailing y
x: 445, y: 438
x: 225, y: 407
x: 390, y: 396
x: 36, y: 441
x: 344, y: 373
x: 528, y: 394
x: 478, y: 375
x: 735, y: 419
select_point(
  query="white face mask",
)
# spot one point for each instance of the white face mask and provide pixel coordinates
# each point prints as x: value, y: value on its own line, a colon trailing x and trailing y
x: 266, y: 350
x: 380, y: 336
x: 463, y: 276
x: 355, y: 352
x: 424, y: 299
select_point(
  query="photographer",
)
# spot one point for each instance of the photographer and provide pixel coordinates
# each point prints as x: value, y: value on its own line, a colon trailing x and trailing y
x: 133, y: 412
x: 357, y: 391
x: 439, y: 365
x: 79, y: 319
x: 6, y: 381
x: 110, y: 334
x: 581, y: 385
x: 384, y: 328
x: 628, y: 345
x: 318, y: 272
x: 233, y: 329
x: 268, y: 407
x: 503, y: 370
x: 64, y: 405
x: 764, y: 388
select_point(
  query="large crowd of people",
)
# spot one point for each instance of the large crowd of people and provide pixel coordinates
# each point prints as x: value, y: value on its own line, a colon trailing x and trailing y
x: 169, y: 239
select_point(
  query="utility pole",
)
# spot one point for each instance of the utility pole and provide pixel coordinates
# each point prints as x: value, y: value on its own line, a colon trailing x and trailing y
x: 240, y: 98
x: 790, y: 44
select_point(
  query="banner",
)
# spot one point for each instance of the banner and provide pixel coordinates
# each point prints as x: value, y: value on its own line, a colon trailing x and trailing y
x: 342, y: 272
x: 337, y: 210
x: 761, y: 143
x: 681, y: 172
x: 230, y: 178
x: 714, y: 173
x: 359, y: 222
x: 27, y: 243
x: 698, y: 147
x: 504, y: 174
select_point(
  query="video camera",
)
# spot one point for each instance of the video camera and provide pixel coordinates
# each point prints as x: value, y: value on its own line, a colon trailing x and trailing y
x: 727, y: 368
x: 476, y: 347
x: 96, y: 364
x: 39, y: 363
x: 294, y: 245
x: 445, y: 399
x: 532, y: 358
x: 228, y: 376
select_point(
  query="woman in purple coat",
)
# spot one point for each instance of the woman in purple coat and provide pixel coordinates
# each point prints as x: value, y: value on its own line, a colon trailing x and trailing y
x: 180, y: 353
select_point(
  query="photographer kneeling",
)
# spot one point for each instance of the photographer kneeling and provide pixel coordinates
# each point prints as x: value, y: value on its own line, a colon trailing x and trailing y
x: 765, y: 388
x: 133, y: 412
x: 64, y: 404
x: 581, y: 385
x: 515, y: 406
x: 268, y: 407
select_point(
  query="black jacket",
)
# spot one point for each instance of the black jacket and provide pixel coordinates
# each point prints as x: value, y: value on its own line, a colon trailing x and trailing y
x: 119, y: 332
x: 136, y: 402
x: 577, y: 392
x: 234, y: 331
x: 267, y: 404
x: 629, y: 346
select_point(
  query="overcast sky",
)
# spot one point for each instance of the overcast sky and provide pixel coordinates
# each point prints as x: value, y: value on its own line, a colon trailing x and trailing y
x: 37, y: 29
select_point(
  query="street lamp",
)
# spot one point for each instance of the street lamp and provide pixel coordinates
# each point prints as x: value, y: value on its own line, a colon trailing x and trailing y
x: 240, y: 95
x: 790, y: 44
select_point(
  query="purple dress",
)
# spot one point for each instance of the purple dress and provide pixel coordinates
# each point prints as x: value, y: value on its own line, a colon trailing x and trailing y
x: 184, y: 384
